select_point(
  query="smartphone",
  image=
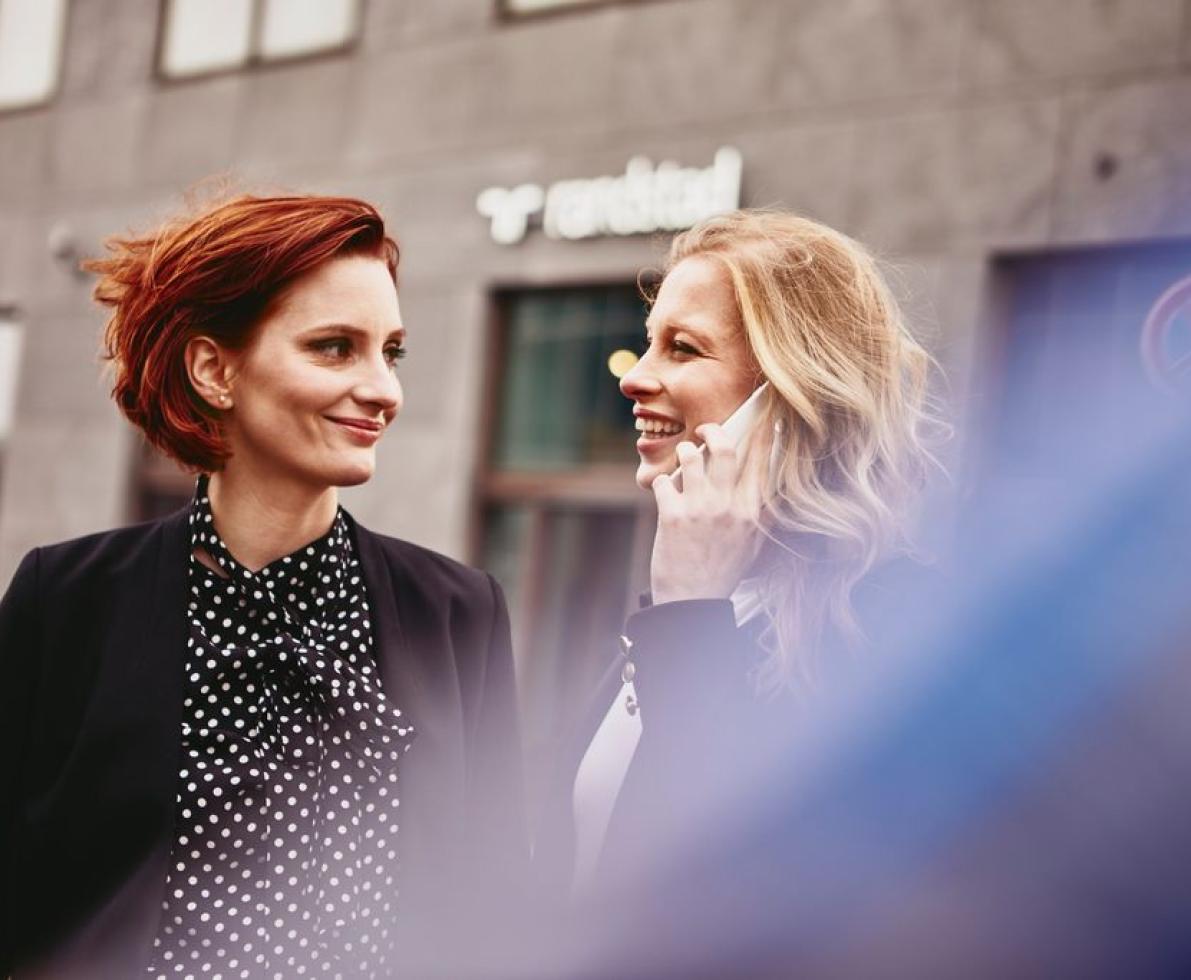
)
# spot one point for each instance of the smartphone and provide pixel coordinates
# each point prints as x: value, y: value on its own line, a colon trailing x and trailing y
x: 736, y: 426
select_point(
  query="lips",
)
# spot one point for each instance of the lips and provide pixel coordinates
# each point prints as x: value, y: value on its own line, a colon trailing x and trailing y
x: 364, y: 432
x: 365, y: 425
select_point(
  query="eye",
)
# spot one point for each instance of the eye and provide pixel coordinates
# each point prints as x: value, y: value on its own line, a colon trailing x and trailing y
x: 336, y: 348
x: 394, y: 353
x: 683, y: 348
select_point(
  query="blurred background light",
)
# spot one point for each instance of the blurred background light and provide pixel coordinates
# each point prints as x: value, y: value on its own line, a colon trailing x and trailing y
x: 621, y: 362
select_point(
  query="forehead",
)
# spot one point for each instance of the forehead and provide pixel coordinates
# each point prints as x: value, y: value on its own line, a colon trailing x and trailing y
x: 353, y: 289
x: 697, y: 293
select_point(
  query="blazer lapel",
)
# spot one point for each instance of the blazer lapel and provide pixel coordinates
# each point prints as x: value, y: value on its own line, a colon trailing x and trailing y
x: 389, y: 643
x: 412, y: 646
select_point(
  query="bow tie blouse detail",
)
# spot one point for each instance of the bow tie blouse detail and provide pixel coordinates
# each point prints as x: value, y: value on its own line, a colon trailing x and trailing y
x: 285, y: 857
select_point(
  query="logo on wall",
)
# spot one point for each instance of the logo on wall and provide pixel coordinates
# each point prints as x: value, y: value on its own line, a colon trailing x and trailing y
x: 1166, y: 339
x: 643, y: 199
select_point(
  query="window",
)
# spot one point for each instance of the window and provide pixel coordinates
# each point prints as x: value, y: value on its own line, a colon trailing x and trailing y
x: 562, y: 524
x: 203, y: 36
x: 10, y: 359
x: 514, y: 7
x: 560, y: 407
x: 30, y: 50
x: 1089, y: 341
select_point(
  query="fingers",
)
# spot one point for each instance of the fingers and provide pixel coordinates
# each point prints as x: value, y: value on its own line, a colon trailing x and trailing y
x: 690, y: 458
x: 722, y: 460
x: 664, y: 493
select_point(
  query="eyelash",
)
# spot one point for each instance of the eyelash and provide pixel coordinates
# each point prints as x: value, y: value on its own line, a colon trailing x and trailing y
x: 339, y: 347
x: 677, y: 346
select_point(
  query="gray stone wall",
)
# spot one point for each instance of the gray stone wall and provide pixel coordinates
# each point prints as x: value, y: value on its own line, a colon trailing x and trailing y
x: 941, y: 132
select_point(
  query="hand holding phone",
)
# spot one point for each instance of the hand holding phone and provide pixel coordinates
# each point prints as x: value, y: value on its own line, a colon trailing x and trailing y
x: 707, y: 553
x: 736, y: 426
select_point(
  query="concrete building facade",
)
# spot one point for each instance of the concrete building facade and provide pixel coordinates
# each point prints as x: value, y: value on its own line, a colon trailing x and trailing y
x: 946, y: 134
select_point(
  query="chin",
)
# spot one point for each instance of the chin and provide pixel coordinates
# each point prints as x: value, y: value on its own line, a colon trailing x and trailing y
x: 353, y: 474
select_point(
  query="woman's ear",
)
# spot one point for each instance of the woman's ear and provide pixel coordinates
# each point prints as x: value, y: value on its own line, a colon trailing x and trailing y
x: 209, y: 367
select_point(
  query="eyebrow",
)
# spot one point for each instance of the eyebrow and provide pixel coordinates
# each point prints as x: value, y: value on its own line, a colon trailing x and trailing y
x: 351, y: 328
x: 676, y: 326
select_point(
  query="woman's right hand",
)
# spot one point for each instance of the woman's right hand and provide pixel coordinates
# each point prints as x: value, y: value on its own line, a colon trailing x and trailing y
x: 707, y: 534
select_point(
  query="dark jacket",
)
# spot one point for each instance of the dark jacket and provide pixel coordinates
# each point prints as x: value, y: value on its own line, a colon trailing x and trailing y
x: 92, y: 643
x: 709, y: 740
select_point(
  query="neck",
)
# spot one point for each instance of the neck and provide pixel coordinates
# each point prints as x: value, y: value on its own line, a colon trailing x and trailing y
x: 260, y: 523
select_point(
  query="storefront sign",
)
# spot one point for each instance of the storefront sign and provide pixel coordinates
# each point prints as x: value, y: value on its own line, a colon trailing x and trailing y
x: 644, y: 199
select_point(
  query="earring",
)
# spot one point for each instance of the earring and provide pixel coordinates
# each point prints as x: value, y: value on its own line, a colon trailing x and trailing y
x: 223, y: 398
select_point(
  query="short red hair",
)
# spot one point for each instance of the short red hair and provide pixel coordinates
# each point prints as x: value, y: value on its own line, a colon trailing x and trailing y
x: 212, y: 274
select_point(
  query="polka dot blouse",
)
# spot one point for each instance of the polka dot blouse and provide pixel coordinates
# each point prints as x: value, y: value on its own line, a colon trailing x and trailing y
x: 284, y: 862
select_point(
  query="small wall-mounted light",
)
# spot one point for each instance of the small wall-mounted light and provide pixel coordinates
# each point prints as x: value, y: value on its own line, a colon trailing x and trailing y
x: 64, y: 247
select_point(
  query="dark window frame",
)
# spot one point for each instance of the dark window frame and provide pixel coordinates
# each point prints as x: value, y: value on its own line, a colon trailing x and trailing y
x: 597, y: 485
x: 590, y: 491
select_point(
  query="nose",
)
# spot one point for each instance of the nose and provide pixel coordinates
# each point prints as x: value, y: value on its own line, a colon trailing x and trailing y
x: 641, y: 380
x: 378, y: 386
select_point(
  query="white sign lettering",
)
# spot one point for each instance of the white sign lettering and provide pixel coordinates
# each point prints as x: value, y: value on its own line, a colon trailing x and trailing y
x: 643, y: 199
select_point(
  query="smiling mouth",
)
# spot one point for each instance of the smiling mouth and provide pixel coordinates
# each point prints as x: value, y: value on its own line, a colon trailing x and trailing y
x: 363, y: 432
x: 364, y: 425
x: 656, y: 430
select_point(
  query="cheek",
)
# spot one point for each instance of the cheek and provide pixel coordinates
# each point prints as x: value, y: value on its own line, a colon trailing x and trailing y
x: 711, y: 404
x: 300, y: 394
x: 721, y: 396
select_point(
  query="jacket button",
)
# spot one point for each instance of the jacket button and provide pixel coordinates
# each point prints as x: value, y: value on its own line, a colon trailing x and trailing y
x: 625, y: 645
x: 628, y: 672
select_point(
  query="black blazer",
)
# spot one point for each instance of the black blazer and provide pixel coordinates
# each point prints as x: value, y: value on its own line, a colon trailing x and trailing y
x: 708, y: 737
x: 92, y: 644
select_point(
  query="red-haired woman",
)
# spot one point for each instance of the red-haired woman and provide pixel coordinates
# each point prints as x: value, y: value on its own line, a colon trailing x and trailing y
x: 209, y: 721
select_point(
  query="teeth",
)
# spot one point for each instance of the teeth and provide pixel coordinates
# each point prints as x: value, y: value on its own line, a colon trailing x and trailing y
x: 656, y: 427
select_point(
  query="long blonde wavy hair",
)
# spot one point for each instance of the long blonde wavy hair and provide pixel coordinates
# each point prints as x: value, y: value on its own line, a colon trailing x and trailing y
x: 849, y: 405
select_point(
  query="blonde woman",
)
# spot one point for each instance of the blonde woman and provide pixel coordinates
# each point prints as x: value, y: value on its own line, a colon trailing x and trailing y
x: 768, y: 552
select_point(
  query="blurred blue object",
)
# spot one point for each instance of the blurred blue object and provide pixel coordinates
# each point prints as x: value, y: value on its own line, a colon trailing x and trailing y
x: 1007, y: 791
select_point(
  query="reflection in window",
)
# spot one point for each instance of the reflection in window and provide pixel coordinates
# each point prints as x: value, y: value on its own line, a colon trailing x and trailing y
x: 204, y: 36
x: 30, y: 50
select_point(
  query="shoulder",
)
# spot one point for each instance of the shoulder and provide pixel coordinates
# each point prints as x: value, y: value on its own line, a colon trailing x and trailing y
x: 103, y: 553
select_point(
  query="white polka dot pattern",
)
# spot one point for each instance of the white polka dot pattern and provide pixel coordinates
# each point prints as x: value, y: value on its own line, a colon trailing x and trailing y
x: 285, y: 858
